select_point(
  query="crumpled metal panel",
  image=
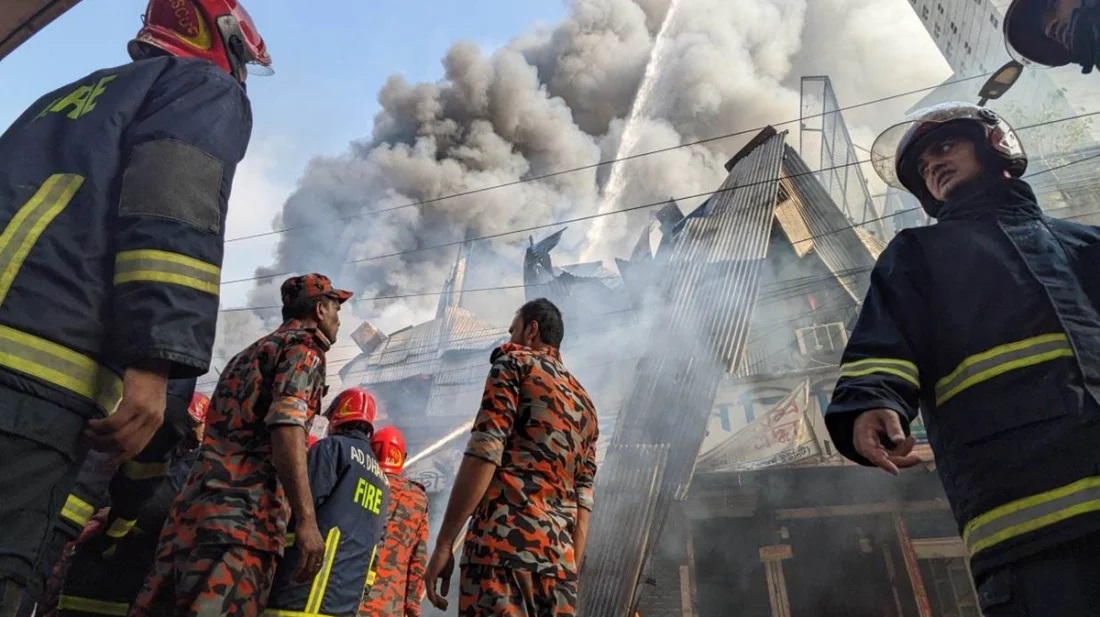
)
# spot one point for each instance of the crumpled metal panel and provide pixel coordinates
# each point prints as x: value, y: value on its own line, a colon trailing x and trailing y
x: 418, y: 350
x: 707, y: 277
x: 626, y: 503
x: 836, y: 241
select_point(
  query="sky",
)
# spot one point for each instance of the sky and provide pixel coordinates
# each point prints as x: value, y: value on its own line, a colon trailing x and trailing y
x: 329, y: 66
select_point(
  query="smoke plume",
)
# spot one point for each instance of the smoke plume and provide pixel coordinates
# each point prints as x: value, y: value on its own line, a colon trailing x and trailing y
x: 559, y: 99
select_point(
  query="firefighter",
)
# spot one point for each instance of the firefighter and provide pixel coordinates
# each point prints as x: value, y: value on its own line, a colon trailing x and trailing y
x: 113, y: 194
x: 399, y: 576
x: 513, y: 477
x: 226, y: 530
x: 125, y: 489
x: 1054, y: 32
x: 107, y: 569
x: 350, y: 495
x: 987, y: 321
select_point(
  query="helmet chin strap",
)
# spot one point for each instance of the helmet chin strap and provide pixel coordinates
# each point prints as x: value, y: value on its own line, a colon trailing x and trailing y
x: 1083, y: 37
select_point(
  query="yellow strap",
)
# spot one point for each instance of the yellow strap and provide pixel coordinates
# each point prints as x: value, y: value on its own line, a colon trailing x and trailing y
x: 144, y: 471
x: 320, y: 582
x: 91, y: 605
x: 278, y: 612
x: 371, y: 573
x: 120, y: 527
x: 77, y: 511
x: 155, y: 266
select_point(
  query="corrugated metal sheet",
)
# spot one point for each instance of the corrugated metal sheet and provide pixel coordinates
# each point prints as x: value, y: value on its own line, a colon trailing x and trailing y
x: 626, y: 495
x: 794, y: 226
x: 835, y: 239
x: 707, y: 276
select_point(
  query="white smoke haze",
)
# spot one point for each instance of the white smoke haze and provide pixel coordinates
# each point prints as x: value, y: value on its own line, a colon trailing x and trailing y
x: 558, y: 98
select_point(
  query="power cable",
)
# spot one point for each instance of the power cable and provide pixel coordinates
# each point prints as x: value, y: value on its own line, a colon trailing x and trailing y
x: 628, y: 209
x: 607, y: 162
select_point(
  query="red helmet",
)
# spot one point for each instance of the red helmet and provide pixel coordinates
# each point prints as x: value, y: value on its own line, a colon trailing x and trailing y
x: 351, y: 405
x: 197, y: 409
x: 219, y: 31
x: 389, y: 447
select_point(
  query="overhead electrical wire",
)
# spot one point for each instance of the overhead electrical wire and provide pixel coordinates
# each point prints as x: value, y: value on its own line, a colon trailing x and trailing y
x: 660, y: 203
x: 604, y: 163
x: 766, y: 332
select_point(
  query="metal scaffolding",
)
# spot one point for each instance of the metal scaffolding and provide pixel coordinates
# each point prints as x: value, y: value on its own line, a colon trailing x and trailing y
x: 826, y: 146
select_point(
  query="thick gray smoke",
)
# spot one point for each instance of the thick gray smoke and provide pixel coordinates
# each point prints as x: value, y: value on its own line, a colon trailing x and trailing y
x: 559, y: 99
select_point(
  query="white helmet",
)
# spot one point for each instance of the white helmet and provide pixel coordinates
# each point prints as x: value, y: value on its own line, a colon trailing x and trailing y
x: 1027, y: 42
x: 894, y: 155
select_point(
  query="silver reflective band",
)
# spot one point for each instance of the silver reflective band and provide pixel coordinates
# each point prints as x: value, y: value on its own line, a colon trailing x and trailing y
x: 984, y: 366
x: 1025, y: 515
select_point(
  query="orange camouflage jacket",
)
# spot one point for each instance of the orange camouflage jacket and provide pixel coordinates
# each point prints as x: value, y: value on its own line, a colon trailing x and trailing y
x: 402, y: 558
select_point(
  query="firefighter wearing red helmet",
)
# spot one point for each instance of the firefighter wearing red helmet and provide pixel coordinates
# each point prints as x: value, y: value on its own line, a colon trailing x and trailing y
x: 1054, y: 32
x: 988, y: 322
x: 113, y: 196
x: 350, y: 494
x: 398, y: 587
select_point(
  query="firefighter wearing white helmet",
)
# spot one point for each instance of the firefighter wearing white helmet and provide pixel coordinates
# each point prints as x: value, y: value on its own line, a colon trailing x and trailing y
x: 1054, y: 32
x: 988, y: 323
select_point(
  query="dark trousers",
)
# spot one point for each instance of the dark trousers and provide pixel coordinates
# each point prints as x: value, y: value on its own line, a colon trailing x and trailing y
x: 35, y: 479
x: 1064, y: 581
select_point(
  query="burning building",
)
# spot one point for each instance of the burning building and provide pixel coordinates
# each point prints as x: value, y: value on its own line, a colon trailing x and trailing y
x: 710, y: 355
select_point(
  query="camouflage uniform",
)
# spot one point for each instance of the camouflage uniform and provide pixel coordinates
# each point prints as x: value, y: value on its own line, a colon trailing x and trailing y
x: 399, y: 575
x: 226, y: 529
x: 538, y: 425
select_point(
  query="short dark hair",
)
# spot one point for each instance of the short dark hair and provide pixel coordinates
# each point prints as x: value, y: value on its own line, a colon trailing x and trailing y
x: 302, y: 309
x: 547, y: 316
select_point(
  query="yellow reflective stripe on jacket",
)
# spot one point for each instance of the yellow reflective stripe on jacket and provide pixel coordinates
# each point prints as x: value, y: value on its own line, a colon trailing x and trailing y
x: 60, y: 366
x: 91, y: 605
x: 153, y: 266
x: 371, y: 572
x: 278, y: 612
x: 77, y: 511
x: 144, y: 471
x: 29, y: 354
x: 120, y: 527
x: 890, y: 366
x: 24, y: 229
x: 1000, y: 360
x: 1026, y: 515
x: 320, y: 582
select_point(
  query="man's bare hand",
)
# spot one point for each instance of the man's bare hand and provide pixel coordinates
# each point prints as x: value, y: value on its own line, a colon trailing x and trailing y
x: 140, y: 413
x: 870, y: 427
x: 441, y: 566
x: 311, y: 551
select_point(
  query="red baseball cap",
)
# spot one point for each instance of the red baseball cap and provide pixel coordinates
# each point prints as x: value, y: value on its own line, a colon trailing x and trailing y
x: 299, y: 288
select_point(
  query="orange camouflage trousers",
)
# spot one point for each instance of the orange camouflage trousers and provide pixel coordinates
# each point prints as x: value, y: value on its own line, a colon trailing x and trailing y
x: 508, y: 592
x: 226, y: 579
